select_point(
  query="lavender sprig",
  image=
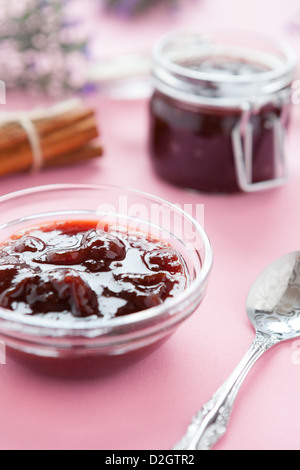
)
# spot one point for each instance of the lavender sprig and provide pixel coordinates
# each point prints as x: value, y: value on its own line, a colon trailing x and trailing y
x: 41, y: 47
x: 134, y: 7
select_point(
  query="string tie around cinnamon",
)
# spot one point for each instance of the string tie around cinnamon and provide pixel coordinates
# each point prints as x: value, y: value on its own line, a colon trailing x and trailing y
x: 59, y: 135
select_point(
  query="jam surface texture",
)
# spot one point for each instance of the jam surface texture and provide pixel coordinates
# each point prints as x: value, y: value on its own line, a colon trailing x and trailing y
x: 76, y: 269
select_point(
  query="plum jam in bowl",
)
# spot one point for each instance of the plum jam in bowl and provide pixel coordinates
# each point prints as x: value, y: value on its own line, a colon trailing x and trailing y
x: 96, y: 271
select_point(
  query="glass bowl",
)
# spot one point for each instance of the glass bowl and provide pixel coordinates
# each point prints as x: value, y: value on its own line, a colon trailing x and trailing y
x: 120, y: 207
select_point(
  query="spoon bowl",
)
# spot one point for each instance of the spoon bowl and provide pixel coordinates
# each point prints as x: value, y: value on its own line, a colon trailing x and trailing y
x: 273, y: 304
x: 273, y: 308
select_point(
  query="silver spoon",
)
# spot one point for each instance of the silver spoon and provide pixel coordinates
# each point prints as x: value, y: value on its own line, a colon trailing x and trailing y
x: 273, y: 307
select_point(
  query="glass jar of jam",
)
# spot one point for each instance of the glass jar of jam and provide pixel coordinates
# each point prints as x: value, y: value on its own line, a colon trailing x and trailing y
x: 220, y: 110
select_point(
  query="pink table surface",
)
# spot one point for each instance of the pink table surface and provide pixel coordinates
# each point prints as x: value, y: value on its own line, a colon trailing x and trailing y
x: 147, y: 403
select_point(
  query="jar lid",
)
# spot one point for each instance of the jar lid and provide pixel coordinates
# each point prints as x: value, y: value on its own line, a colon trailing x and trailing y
x: 222, y: 68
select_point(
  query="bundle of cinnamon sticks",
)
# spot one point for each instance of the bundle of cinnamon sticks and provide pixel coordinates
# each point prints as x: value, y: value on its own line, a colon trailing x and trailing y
x: 65, y: 137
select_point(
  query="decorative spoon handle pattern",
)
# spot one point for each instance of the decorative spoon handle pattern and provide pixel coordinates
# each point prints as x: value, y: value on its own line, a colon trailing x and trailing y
x: 210, y: 423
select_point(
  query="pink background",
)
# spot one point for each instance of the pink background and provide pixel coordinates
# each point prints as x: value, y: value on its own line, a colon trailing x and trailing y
x: 147, y: 403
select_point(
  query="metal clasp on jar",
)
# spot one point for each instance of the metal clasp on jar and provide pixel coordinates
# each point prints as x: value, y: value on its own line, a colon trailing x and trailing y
x: 242, y: 140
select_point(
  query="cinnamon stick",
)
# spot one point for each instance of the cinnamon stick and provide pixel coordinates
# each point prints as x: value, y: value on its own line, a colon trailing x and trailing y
x: 13, y: 134
x: 54, y: 145
x: 88, y: 152
x: 64, y: 139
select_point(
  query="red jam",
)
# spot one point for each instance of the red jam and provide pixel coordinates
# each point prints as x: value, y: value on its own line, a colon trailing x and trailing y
x: 76, y: 269
x: 191, y: 145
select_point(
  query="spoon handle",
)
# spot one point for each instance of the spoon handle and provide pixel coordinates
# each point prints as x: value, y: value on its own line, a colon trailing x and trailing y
x: 211, y: 422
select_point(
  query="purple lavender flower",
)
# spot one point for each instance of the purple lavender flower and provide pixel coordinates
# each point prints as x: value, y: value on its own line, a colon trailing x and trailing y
x: 41, y: 46
x: 131, y: 7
